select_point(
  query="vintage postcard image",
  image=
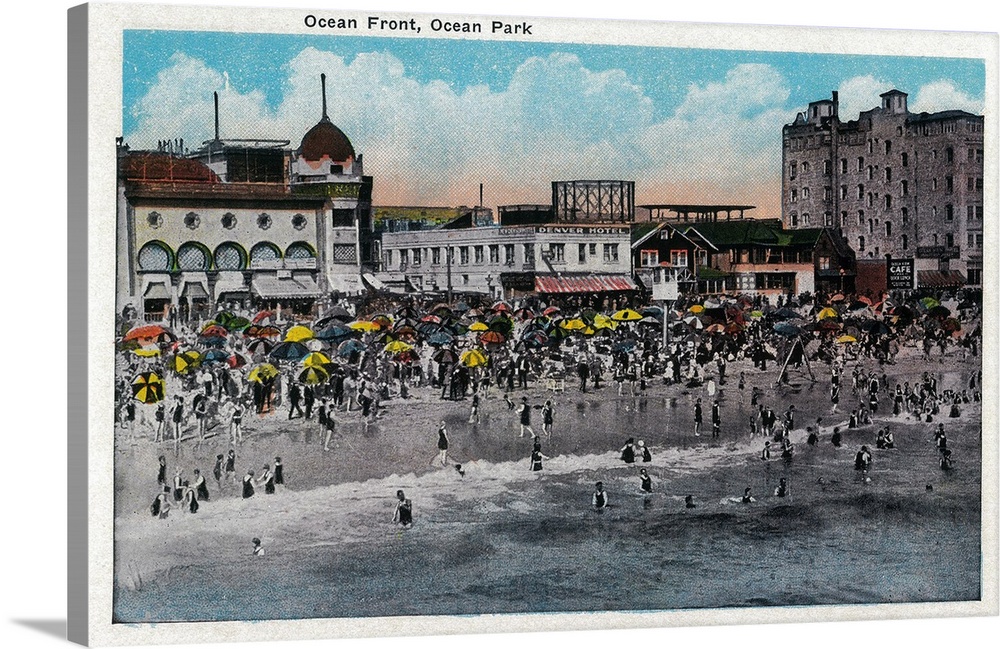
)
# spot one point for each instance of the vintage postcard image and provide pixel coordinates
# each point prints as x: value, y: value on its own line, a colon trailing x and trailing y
x: 417, y: 317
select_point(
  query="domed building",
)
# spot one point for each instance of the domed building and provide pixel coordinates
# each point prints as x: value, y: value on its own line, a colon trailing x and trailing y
x: 238, y: 223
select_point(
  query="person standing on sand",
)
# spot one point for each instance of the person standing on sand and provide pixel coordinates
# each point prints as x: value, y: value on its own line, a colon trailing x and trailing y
x: 248, y: 489
x: 403, y: 513
x: 231, y: 466
x: 161, y: 473
x: 279, y: 471
x: 474, y: 413
x: 716, y: 419
x: 331, y: 428
x: 267, y: 479
x: 537, y: 456
x: 442, y: 444
x: 548, y: 414
x: 200, y: 487
x: 525, y: 417
x: 697, y: 418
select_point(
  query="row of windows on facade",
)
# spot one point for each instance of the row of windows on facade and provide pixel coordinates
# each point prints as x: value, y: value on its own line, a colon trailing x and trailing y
x: 556, y: 254
x: 974, y: 215
x: 973, y: 155
x: 679, y: 258
x: 193, y: 256
x: 974, y: 240
x: 192, y: 220
x: 856, y: 138
x: 973, y: 185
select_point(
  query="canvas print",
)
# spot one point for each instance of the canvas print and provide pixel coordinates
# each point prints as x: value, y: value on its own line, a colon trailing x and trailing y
x: 415, y: 320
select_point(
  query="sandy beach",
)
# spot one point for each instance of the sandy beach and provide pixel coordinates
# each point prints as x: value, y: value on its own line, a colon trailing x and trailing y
x: 504, y: 539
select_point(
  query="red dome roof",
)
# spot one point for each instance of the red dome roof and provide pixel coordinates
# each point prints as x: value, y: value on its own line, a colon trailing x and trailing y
x: 325, y: 139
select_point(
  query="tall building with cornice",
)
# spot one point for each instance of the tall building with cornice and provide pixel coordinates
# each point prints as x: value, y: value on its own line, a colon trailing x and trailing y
x: 897, y: 184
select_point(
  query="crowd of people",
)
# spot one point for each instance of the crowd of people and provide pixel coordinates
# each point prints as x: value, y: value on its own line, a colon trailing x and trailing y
x: 184, y: 382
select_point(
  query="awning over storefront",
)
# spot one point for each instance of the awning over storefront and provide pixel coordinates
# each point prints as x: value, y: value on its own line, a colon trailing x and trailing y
x: 584, y: 283
x: 939, y: 278
x: 373, y: 281
x: 156, y: 291
x: 285, y: 288
x: 231, y: 282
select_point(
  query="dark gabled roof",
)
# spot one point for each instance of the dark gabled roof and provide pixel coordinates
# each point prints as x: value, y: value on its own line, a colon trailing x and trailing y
x: 747, y: 232
x: 642, y: 230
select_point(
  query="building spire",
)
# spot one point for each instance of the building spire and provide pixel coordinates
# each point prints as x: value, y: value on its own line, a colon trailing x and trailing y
x: 322, y: 79
x: 216, y: 95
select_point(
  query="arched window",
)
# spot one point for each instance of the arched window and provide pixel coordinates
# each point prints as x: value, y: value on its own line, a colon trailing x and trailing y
x: 156, y: 255
x: 193, y: 256
x: 263, y: 253
x: 300, y: 250
x: 230, y: 256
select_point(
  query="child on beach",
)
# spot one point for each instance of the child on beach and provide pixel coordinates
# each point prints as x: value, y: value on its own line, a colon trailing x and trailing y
x: 403, y: 514
x: 600, y: 497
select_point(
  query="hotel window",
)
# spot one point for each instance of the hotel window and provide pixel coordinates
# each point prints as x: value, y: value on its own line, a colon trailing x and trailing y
x: 905, y: 159
x: 388, y: 259
x: 417, y: 257
x: 861, y: 217
x: 793, y: 168
x: 702, y: 257
x: 979, y: 185
x: 888, y: 202
x: 435, y: 256
x: 949, y: 240
x: 649, y: 258
x: 904, y: 188
x: 592, y: 249
x: 871, y: 172
x: 888, y: 147
x: 155, y: 256
x: 192, y: 256
x: 463, y: 255
x: 508, y: 254
x: 972, y: 239
x: 558, y: 251
x: 905, y: 213
x: 611, y: 252
x: 478, y: 254
x: 679, y: 258
x: 888, y: 174
x: 888, y: 228
x: 904, y: 242
x: 861, y: 165
x: 970, y: 214
x: 843, y: 165
x: 344, y: 253
x: 934, y: 184
x: 827, y: 193
x: 861, y: 244
x: 795, y: 220
x: 805, y: 167
x: 824, y: 263
x: 494, y: 254
x: 805, y: 193
x: 949, y: 154
x: 404, y: 259
x: 949, y: 184
x: 843, y: 192
x: 794, y: 196
x: 827, y: 167
x: 861, y: 192
x: 828, y: 219
x: 949, y: 213
x: 582, y: 253
x: 805, y: 219
x: 843, y: 219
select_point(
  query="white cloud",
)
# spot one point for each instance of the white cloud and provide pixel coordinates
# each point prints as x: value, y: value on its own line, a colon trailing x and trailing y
x: 943, y: 95
x: 859, y: 94
x: 428, y: 143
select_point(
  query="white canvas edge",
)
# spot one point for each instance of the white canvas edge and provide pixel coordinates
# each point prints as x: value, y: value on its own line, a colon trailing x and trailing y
x: 105, y: 24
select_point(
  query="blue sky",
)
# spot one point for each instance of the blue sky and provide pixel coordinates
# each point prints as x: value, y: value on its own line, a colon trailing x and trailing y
x: 435, y: 117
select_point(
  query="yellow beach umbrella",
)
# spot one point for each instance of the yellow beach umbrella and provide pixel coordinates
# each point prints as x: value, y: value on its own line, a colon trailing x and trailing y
x: 186, y: 361
x: 364, y: 325
x: 847, y: 339
x: 262, y: 373
x: 298, y: 334
x: 148, y: 387
x: 473, y: 358
x: 147, y: 352
x: 626, y: 315
x: 315, y: 359
x: 397, y: 347
x: 827, y: 313
x: 697, y: 308
x: 314, y: 375
x: 479, y: 326
x: 576, y: 324
x: 602, y: 321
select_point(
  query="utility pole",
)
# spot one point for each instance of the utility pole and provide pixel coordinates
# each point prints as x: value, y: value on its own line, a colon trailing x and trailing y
x: 447, y: 258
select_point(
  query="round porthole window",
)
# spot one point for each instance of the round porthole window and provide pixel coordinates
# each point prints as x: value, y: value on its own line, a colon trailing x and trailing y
x: 229, y: 220
x: 264, y: 221
x: 299, y: 222
x: 154, y: 219
x: 192, y: 220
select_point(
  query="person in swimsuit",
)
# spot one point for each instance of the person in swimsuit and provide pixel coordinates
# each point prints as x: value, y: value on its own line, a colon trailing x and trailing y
x: 161, y: 475
x: 747, y: 497
x: 782, y: 489
x: 645, y: 482
x: 548, y: 414
x: 442, y: 444
x: 190, y: 499
x: 248, y: 490
x: 537, y: 456
x: 600, y: 498
x: 525, y: 417
x: 628, y: 451
x: 161, y: 505
x: 231, y: 465
x: 403, y: 514
x: 644, y: 452
x: 267, y: 479
x: 220, y: 461
x: 200, y: 487
x: 258, y: 549
x: 697, y: 418
x: 279, y: 471
x: 178, y: 485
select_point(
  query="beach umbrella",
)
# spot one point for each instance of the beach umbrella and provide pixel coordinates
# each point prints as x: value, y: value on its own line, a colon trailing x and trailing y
x: 551, y: 311
x: 298, y: 334
x: 430, y: 317
x: 364, y: 325
x: 501, y: 307
x: 838, y: 297
x: 262, y: 372
x: 939, y: 312
x: 407, y: 357
x: 847, y: 339
x: 441, y: 309
x: 337, y: 312
x: 334, y: 332
x: 827, y: 325
x: 382, y: 320
x: 524, y: 314
x: 734, y: 328
x: 535, y: 338
x: 474, y: 313
x: 651, y: 321
x: 215, y: 356
x: 460, y: 307
x: 626, y: 315
x: 440, y: 338
x: 575, y: 324
x: 146, y: 352
x: 715, y: 329
x: 474, y: 358
x: 186, y: 361
x: 313, y: 375
x: 502, y: 324
x: 786, y: 314
x: 405, y: 332
x: 951, y: 325
x: 874, y: 327
x: 315, y: 359
x: 827, y: 313
x: 262, y: 331
x: 756, y: 314
x: 787, y: 329
x: 264, y: 317
x: 315, y: 345
x: 694, y: 322
x: 492, y: 338
x: 445, y: 356
x: 260, y: 346
x: 623, y: 346
x: 397, y: 347
x: 602, y: 321
x: 696, y: 308
x: 289, y: 351
x: 350, y: 347
x: 148, y: 387
x: 928, y: 302
x: 653, y: 311
x: 237, y: 361
x: 148, y: 333
x: 479, y: 327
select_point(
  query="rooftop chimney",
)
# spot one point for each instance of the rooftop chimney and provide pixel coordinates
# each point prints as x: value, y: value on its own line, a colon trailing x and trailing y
x: 322, y: 79
x: 216, y: 96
